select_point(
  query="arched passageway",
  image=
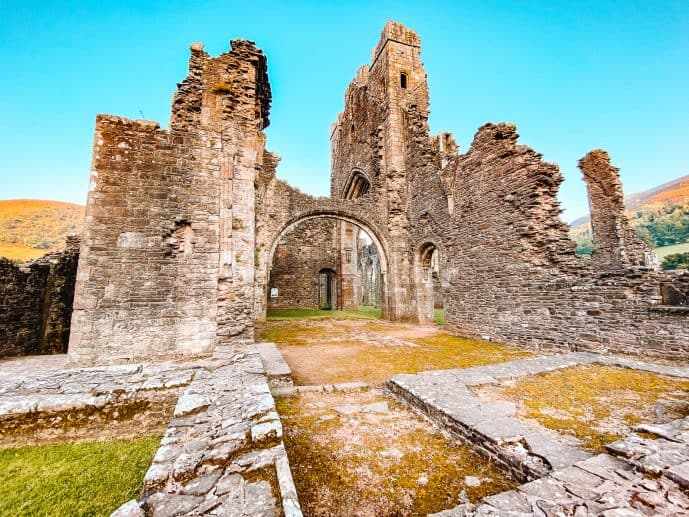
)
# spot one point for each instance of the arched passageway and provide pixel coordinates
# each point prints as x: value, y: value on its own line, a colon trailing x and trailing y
x: 429, y: 290
x: 316, y: 261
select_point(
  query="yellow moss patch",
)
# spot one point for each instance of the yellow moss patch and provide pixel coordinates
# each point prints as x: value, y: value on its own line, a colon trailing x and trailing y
x: 391, y: 463
x: 332, y: 351
x: 597, y: 404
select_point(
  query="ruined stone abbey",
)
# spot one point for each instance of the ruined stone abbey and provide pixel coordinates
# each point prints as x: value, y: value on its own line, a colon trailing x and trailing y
x: 190, y: 236
x: 190, y: 239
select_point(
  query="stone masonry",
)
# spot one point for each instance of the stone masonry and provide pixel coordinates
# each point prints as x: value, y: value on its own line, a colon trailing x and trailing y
x: 184, y: 225
x: 167, y: 265
x: 36, y: 302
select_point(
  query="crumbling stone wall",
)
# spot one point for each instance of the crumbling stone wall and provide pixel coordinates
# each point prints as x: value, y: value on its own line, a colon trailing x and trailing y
x: 616, y: 244
x: 36, y: 302
x: 368, y: 275
x: 167, y: 266
x: 512, y: 272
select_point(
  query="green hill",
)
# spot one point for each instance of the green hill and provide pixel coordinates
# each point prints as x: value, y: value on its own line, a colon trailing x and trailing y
x: 30, y: 228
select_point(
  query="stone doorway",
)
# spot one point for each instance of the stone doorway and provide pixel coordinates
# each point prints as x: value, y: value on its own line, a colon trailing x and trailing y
x: 429, y: 287
x: 327, y: 286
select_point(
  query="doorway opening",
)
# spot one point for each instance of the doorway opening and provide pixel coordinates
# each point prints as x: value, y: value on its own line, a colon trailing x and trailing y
x: 327, y: 285
x: 431, y: 300
x: 326, y: 263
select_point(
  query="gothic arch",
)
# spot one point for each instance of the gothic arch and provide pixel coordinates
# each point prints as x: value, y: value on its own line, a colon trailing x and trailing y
x: 357, y: 185
x: 339, y: 215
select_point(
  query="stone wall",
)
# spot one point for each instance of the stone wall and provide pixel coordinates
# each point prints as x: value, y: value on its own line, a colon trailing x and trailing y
x: 167, y: 265
x: 36, y: 302
x: 512, y: 272
x: 299, y: 257
x: 369, y: 138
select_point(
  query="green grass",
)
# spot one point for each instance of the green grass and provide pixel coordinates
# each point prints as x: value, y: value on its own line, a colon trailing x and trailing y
x: 73, y: 479
x: 663, y: 251
x: 361, y: 312
x: 439, y: 316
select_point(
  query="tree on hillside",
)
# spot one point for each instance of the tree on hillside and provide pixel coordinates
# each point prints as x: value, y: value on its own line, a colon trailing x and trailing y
x: 675, y: 261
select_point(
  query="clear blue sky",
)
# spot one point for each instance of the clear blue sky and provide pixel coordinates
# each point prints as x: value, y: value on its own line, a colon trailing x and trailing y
x: 573, y: 76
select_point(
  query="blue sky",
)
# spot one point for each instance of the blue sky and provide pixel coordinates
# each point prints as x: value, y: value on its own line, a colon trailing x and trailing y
x: 573, y: 76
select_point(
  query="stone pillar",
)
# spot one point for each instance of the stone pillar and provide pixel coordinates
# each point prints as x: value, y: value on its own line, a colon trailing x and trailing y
x: 615, y: 246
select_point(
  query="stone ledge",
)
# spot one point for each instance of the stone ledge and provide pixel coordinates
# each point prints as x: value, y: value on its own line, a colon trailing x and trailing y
x: 670, y: 309
x: 222, y: 454
x: 637, y: 477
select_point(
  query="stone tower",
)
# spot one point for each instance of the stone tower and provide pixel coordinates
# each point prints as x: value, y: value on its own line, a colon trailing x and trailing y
x: 371, y: 149
x: 167, y: 261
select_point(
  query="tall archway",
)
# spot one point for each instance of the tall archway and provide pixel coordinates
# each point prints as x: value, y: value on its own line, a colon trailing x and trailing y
x: 345, y: 270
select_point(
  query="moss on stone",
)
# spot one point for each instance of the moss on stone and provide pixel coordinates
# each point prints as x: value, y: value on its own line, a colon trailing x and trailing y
x: 392, y: 463
x: 598, y: 404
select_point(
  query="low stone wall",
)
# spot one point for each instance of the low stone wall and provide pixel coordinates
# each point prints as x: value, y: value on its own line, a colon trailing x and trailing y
x: 36, y: 302
x: 491, y: 427
x: 118, y: 402
x: 222, y: 453
x: 638, y: 476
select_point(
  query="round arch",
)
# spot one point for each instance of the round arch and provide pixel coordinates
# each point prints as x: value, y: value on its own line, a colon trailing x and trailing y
x: 332, y: 214
x: 296, y: 220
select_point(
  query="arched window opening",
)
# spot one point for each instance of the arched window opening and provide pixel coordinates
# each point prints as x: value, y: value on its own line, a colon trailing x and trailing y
x: 357, y: 186
x: 403, y: 80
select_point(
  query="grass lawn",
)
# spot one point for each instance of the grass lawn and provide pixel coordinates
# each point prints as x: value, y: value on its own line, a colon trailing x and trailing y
x: 440, y: 316
x: 664, y: 251
x: 361, y: 312
x: 73, y: 479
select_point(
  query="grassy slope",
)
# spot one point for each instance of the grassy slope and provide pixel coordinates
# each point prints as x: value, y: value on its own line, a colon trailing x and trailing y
x: 73, y: 479
x: 30, y: 228
x: 664, y: 251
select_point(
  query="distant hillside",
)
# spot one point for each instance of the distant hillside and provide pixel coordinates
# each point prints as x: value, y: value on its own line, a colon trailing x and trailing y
x: 30, y: 228
x: 660, y: 216
x: 670, y: 192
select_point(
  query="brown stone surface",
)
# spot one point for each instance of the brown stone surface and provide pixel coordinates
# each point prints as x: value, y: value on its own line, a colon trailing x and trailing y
x: 184, y: 225
x: 167, y: 267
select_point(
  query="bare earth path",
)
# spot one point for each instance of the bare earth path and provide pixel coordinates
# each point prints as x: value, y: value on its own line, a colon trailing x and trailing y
x: 337, y: 350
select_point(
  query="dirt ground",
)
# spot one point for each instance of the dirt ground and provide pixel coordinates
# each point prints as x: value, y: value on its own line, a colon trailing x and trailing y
x: 342, y: 350
x: 593, y: 405
x: 364, y: 454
